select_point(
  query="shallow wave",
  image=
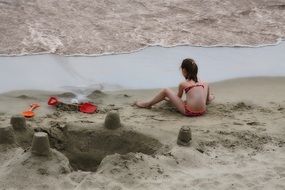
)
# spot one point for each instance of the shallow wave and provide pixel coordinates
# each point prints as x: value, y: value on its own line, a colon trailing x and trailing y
x: 105, y: 27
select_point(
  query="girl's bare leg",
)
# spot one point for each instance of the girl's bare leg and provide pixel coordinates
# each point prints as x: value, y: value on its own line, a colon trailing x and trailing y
x: 173, y: 98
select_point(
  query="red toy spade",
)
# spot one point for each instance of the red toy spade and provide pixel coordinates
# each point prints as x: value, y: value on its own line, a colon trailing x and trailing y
x: 29, y: 113
x: 87, y: 108
x: 53, y: 101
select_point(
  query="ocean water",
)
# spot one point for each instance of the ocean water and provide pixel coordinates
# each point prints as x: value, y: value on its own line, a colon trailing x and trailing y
x: 103, y: 26
x: 152, y: 67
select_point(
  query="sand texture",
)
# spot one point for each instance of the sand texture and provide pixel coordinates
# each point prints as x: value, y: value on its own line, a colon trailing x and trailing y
x: 96, y: 27
x: 238, y: 144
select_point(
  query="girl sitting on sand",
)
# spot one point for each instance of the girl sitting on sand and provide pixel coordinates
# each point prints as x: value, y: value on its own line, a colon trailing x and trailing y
x: 197, y: 93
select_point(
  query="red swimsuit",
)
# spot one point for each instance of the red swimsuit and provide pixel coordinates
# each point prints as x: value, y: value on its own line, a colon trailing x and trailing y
x: 188, y: 110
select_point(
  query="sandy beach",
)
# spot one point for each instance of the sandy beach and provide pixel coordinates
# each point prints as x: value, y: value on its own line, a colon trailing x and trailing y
x: 112, y: 53
x: 238, y: 144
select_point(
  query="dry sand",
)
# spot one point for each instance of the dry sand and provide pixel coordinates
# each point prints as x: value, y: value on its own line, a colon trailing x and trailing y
x: 96, y: 27
x: 238, y: 144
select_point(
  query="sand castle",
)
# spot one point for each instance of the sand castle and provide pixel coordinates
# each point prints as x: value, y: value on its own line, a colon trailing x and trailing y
x: 7, y: 135
x: 87, y: 144
x: 84, y: 144
x: 40, y: 144
x: 18, y: 122
x: 112, y: 120
x: 184, y: 136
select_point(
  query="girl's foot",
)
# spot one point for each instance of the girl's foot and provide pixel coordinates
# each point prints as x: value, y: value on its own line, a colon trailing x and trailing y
x: 142, y: 104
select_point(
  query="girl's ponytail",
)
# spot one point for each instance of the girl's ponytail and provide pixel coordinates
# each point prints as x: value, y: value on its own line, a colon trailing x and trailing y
x: 191, y: 68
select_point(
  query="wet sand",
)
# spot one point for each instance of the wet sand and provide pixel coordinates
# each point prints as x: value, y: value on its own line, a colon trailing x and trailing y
x: 153, y: 67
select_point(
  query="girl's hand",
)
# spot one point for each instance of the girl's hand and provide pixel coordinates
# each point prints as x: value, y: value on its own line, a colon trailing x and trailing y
x: 166, y: 99
x: 210, y: 98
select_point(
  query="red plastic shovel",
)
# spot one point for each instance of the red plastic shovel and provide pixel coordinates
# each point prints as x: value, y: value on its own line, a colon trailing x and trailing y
x: 87, y: 108
x: 53, y: 101
x: 29, y: 112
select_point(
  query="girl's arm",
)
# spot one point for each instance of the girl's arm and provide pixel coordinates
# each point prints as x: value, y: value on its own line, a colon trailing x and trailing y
x: 210, y: 97
x: 180, y: 90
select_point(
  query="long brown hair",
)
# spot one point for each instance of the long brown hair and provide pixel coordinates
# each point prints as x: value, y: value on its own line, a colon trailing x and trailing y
x: 191, y: 68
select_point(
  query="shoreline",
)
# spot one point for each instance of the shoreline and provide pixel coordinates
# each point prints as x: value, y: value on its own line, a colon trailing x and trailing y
x: 278, y: 41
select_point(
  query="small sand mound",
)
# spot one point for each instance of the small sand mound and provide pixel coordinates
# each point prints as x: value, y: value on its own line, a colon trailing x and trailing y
x: 240, y: 139
x: 25, y: 97
x: 67, y: 95
x: 25, y: 166
x: 96, y: 94
x: 141, y: 171
x: 241, y: 106
x: 132, y: 167
x: 244, y: 139
x: 230, y: 109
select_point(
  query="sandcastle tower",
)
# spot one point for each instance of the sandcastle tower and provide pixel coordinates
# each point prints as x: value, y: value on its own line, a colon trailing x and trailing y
x: 18, y: 122
x: 184, y: 136
x: 112, y: 120
x: 40, y: 144
x: 7, y: 135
